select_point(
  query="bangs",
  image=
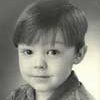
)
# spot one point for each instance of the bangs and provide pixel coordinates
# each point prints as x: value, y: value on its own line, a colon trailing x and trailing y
x: 44, y: 36
x: 41, y: 22
x: 29, y: 35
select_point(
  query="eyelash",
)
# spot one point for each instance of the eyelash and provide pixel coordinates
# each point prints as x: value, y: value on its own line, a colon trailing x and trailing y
x: 51, y: 52
x: 27, y: 52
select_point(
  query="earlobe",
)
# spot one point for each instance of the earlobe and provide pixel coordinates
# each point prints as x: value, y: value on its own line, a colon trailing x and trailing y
x: 80, y: 55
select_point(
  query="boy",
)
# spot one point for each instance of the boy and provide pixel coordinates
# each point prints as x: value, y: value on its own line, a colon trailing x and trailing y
x: 50, y: 36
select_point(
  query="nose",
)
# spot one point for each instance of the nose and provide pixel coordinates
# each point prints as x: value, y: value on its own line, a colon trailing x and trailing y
x: 40, y: 63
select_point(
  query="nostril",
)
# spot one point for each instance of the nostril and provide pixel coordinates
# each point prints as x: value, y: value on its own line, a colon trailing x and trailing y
x: 40, y: 67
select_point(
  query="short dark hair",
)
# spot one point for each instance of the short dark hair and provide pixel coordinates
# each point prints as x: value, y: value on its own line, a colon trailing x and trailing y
x: 46, y: 15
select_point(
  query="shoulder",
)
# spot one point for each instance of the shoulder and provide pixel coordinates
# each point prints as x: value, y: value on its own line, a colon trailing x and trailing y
x: 21, y: 93
x: 82, y: 94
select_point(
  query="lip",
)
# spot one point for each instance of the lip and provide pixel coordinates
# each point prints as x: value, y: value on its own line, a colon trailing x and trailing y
x: 41, y: 79
x: 41, y: 76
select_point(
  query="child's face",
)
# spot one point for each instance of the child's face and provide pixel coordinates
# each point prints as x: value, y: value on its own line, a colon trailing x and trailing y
x: 45, y: 67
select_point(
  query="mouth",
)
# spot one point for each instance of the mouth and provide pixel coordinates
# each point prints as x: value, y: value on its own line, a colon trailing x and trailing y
x: 41, y: 79
x: 41, y: 76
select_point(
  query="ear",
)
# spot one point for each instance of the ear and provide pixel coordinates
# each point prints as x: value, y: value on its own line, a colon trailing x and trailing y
x: 80, y: 55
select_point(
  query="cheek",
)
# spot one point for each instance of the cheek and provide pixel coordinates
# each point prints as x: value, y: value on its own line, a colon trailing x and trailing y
x: 62, y: 65
x: 61, y: 61
x: 25, y: 65
x: 61, y: 70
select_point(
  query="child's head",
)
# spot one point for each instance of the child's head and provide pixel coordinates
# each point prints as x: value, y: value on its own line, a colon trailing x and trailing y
x: 49, y: 34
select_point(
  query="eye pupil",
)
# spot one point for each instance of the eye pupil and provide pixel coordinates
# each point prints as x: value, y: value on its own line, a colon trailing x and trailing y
x: 29, y: 52
x: 52, y: 52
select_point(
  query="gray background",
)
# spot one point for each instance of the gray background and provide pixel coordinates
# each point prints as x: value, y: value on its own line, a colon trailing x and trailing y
x: 9, y: 10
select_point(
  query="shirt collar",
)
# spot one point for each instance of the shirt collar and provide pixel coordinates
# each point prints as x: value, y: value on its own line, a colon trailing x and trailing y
x: 71, y: 84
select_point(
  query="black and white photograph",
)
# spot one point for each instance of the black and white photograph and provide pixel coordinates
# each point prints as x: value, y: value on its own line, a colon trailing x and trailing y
x: 49, y: 49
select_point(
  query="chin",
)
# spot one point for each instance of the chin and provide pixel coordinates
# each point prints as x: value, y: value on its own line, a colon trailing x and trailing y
x: 42, y: 87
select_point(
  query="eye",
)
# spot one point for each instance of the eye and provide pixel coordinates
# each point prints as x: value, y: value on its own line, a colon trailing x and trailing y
x: 28, y: 52
x: 53, y: 52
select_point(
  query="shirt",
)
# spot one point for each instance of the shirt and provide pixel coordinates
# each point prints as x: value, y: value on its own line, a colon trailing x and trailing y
x: 71, y: 89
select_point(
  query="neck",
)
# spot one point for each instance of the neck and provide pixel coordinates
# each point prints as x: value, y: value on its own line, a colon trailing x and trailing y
x: 43, y: 95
